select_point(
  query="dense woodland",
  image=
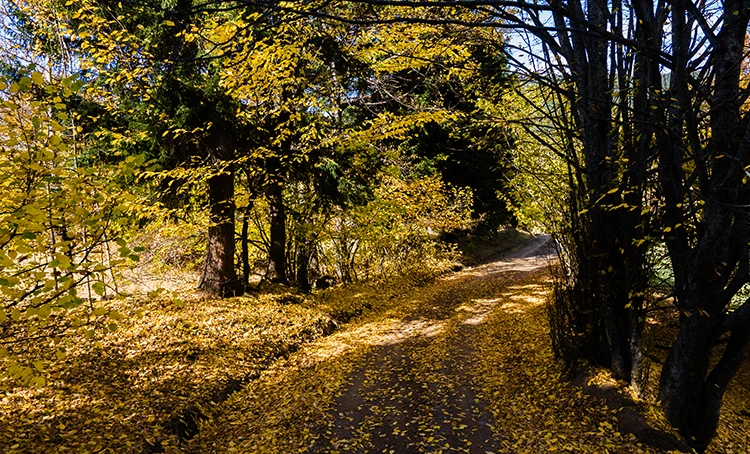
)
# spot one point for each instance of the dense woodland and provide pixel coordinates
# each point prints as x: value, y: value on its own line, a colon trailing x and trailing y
x: 276, y: 149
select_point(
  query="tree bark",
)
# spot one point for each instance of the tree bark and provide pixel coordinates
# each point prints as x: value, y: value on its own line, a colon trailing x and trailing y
x: 219, y: 276
x: 277, y: 248
x: 710, y: 263
x: 245, y: 253
x: 608, y: 270
x: 303, y: 263
x: 691, y: 397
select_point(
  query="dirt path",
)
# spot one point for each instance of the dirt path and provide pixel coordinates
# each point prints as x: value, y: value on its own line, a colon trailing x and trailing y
x: 418, y: 393
x: 461, y: 365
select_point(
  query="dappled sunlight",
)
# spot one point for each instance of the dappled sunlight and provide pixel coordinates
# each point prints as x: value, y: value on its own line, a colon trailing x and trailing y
x: 513, y: 308
x: 477, y: 319
x: 478, y: 305
x: 517, y: 368
x: 530, y: 289
x: 527, y: 259
x: 519, y: 264
x: 498, y: 268
x: 427, y: 319
x: 479, y: 308
x: 376, y: 333
x: 368, y: 334
x: 528, y: 300
x: 410, y: 329
x: 169, y: 355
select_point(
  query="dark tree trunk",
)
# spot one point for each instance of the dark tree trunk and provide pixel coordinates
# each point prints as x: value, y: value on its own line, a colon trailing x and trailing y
x: 245, y: 253
x: 219, y: 276
x: 710, y: 263
x: 717, y: 382
x: 684, y: 372
x: 637, y: 372
x: 303, y: 263
x: 600, y: 312
x: 607, y: 299
x: 277, y: 247
x: 691, y: 396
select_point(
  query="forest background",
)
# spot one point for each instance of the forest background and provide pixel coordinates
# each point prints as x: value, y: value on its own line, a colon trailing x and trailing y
x: 260, y: 146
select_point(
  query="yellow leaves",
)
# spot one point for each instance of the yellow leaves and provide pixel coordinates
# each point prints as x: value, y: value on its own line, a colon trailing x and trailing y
x: 639, y: 242
x: 169, y: 23
x: 100, y: 311
x: 56, y: 195
x: 44, y: 311
x: 397, y: 47
x: 98, y: 288
x: 61, y: 262
x: 37, y: 78
x: 391, y: 126
x: 153, y: 365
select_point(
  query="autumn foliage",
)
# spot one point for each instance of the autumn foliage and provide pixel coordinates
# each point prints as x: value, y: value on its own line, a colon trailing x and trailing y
x: 245, y: 225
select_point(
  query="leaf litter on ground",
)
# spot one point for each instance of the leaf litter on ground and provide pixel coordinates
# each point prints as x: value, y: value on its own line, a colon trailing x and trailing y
x: 459, y: 364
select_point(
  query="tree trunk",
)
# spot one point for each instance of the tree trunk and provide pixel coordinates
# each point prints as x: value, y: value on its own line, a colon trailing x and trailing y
x: 219, y: 276
x: 245, y: 253
x: 637, y: 371
x: 710, y: 262
x: 277, y: 221
x: 716, y: 384
x: 690, y: 395
x: 596, y: 313
x: 303, y: 262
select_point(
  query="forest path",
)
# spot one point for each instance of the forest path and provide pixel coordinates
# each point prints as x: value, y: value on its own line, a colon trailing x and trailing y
x: 417, y: 391
x: 448, y: 368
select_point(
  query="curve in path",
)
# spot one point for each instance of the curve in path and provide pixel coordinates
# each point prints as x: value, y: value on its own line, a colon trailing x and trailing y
x: 417, y: 391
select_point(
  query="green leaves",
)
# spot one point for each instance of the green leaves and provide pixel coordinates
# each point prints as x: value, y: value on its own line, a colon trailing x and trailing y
x: 98, y: 287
